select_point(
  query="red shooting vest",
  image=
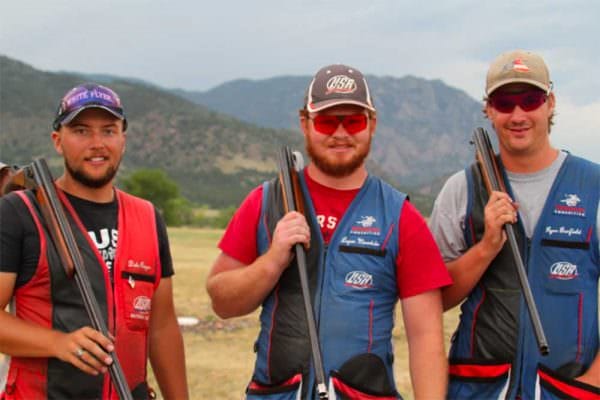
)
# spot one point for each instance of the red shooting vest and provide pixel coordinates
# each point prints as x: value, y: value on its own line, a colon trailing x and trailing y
x: 52, y: 300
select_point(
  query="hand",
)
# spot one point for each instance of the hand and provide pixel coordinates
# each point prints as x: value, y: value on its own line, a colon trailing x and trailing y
x: 499, y: 210
x: 590, y: 379
x: 290, y: 229
x: 85, y: 348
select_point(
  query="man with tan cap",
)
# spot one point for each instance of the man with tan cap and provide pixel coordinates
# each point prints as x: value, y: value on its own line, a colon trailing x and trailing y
x: 553, y: 201
x: 368, y: 248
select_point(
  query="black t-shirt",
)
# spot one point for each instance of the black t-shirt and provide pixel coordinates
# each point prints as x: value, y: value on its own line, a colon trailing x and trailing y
x: 20, y: 245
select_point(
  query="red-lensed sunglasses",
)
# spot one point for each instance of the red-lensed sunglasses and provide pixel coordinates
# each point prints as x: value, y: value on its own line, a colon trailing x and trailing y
x: 528, y: 101
x: 327, y: 124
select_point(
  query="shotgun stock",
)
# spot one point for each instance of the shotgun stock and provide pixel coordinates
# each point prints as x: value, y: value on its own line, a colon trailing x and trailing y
x: 37, y: 176
x: 293, y: 201
x: 486, y: 159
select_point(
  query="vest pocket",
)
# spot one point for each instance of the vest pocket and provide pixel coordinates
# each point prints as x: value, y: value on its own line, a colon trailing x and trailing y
x: 379, y: 252
x: 143, y: 392
x: 137, y: 291
x: 566, y: 244
x: 565, y: 277
x: 553, y: 385
x: 289, y: 389
x: 363, y: 376
x: 474, y: 379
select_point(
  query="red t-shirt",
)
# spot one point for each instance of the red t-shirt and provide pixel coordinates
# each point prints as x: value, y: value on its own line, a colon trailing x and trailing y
x: 419, y: 265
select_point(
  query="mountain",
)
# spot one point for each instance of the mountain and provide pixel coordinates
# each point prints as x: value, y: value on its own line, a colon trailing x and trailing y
x: 220, y: 143
x: 423, y: 127
x: 216, y: 159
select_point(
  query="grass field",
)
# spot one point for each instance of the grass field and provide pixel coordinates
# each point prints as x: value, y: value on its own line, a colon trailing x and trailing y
x: 219, y: 356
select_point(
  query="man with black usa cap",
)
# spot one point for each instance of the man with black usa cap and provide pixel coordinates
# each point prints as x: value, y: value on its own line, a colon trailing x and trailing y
x: 54, y: 353
x: 368, y: 246
x: 553, y: 201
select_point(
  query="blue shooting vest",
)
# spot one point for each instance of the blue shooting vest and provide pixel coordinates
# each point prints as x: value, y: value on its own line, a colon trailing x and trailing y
x: 494, y: 353
x: 353, y: 289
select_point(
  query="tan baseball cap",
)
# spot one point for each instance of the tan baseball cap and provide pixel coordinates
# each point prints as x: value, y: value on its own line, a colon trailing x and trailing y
x: 518, y: 66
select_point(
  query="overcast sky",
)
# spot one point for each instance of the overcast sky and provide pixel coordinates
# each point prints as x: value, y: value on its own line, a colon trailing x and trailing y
x: 197, y: 45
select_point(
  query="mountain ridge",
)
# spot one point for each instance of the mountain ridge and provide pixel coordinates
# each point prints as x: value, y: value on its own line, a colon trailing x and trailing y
x: 221, y: 143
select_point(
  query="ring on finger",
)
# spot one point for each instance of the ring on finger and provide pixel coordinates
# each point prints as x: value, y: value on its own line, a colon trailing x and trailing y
x: 79, y: 352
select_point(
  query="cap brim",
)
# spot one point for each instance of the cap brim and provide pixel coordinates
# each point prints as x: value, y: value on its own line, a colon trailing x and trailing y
x: 71, y: 116
x: 316, y: 107
x: 537, y: 84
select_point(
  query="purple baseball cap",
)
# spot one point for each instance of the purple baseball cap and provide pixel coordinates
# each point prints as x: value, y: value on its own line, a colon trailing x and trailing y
x: 88, y: 95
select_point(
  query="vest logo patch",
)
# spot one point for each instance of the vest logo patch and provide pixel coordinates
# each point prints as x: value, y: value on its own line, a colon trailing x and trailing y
x: 141, y: 306
x: 569, y: 206
x: 366, y: 221
x: 571, y: 200
x: 365, y: 226
x: 359, y: 280
x: 563, y: 270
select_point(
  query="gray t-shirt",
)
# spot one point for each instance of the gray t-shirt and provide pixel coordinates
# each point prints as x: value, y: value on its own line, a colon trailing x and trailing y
x: 530, y: 191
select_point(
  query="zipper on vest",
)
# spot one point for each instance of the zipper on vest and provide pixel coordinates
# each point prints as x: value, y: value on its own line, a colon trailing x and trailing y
x: 520, y: 350
x: 527, y: 251
x: 320, y: 286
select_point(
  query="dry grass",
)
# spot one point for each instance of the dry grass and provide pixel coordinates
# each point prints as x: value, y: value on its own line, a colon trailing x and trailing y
x: 219, y: 354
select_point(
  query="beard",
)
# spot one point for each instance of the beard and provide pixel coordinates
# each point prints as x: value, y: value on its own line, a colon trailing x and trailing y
x: 89, y: 181
x: 335, y: 168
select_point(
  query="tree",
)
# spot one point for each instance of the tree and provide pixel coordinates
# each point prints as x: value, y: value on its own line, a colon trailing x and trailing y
x: 155, y: 186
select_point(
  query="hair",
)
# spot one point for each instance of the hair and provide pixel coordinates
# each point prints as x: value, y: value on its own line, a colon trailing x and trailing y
x: 550, y: 118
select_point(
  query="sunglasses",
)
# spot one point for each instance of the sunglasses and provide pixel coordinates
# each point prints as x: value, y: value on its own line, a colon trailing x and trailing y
x: 527, y: 101
x: 328, y: 124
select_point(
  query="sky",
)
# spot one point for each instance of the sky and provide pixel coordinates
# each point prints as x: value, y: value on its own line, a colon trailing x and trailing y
x: 198, y: 44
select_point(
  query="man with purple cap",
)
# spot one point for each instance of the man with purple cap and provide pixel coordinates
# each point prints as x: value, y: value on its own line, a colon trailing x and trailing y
x: 367, y: 245
x: 54, y: 353
x: 552, y: 200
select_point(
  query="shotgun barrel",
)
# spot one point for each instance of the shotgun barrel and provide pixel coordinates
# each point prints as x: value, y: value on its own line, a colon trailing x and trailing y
x: 292, y: 197
x: 486, y: 159
x: 37, y: 176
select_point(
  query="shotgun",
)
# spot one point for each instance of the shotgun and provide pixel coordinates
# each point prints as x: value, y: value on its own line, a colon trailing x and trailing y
x: 486, y: 159
x: 37, y: 176
x: 289, y: 164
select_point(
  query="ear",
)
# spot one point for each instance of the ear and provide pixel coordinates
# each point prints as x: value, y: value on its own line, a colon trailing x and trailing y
x: 56, y: 141
x: 304, y: 124
x: 489, y: 111
x: 124, y: 142
x: 373, y: 125
x: 551, y: 102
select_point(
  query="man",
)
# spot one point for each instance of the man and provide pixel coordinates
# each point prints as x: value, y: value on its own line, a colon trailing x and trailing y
x: 367, y: 246
x: 553, y: 201
x: 54, y: 352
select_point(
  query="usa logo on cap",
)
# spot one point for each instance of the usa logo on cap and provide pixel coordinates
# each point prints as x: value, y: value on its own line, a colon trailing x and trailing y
x: 341, y: 84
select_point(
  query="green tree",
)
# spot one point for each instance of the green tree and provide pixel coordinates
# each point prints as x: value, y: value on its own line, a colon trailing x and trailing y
x: 155, y: 186
x: 179, y: 211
